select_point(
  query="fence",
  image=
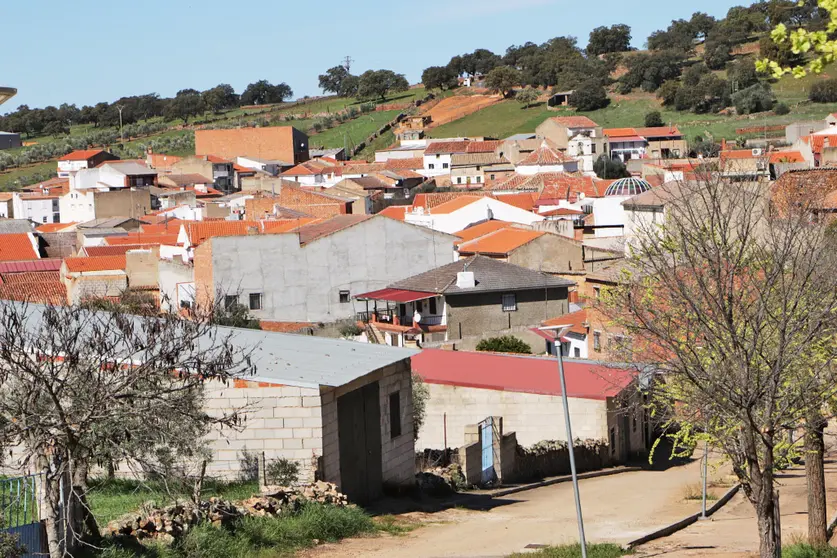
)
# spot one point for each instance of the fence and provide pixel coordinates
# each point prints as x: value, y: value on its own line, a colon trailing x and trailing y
x: 20, y: 514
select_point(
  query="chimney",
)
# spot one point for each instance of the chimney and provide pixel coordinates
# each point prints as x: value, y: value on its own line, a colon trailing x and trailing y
x: 465, y: 280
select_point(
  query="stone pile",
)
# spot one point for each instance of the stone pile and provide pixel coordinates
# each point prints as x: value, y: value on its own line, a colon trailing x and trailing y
x: 170, y: 522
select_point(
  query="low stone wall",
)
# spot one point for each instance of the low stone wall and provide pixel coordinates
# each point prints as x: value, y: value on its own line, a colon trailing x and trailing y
x: 552, y: 459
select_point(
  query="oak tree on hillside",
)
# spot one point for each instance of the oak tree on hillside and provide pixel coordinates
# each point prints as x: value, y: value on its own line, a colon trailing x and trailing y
x: 380, y: 83
x: 263, y: 92
x: 439, y: 77
x: 616, y: 38
x: 186, y: 104
x: 219, y: 98
x: 527, y: 97
x: 503, y: 79
x: 332, y: 80
x: 590, y: 95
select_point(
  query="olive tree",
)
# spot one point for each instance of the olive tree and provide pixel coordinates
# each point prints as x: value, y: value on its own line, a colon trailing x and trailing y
x: 82, y: 386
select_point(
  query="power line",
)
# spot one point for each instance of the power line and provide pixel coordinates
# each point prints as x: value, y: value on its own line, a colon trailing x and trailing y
x: 347, y: 63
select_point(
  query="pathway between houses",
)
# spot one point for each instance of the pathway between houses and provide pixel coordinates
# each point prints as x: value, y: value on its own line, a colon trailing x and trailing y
x: 617, y: 509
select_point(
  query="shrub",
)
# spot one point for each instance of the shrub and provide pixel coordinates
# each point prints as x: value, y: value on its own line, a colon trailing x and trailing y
x: 350, y: 329
x: 667, y: 92
x: 282, y: 472
x: 824, y: 91
x: 605, y: 167
x: 590, y: 95
x: 504, y: 344
x: 421, y: 394
x: 781, y: 109
x: 756, y: 98
x: 654, y: 119
x: 804, y: 550
x: 10, y: 545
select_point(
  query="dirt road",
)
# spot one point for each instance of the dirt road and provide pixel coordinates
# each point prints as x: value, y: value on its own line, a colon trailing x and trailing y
x: 616, y: 509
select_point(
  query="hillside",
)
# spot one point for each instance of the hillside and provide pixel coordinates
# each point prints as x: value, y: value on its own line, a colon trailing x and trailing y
x: 509, y: 117
x: 174, y: 136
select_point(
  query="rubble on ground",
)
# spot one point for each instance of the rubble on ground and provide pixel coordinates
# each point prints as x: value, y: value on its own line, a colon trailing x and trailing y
x: 170, y: 522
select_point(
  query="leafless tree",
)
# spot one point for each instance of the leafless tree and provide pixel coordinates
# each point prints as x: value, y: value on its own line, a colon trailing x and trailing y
x: 84, y: 386
x: 731, y: 295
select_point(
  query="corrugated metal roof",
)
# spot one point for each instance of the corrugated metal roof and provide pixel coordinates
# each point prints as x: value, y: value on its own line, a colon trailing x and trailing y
x: 299, y: 360
x: 521, y: 374
x: 30, y: 265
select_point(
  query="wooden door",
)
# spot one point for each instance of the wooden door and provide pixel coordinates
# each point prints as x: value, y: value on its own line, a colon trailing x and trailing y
x: 359, y: 432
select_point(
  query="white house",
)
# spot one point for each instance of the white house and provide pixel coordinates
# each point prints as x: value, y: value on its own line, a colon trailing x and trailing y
x: 439, y: 154
x: 578, y: 136
x: 463, y: 211
x: 608, y: 212
x: 39, y: 207
x: 114, y: 175
x: 82, y: 159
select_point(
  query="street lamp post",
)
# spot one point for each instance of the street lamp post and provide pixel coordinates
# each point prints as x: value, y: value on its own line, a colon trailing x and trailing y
x: 559, y: 331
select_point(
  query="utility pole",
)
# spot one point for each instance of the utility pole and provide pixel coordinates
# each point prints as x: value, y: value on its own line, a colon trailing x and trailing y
x: 559, y: 333
x: 347, y: 63
x: 121, y: 135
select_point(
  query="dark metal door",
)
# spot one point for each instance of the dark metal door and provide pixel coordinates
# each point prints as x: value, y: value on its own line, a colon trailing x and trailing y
x: 359, y: 433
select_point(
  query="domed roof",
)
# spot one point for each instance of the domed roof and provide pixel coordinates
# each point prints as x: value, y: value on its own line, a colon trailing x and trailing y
x: 628, y: 187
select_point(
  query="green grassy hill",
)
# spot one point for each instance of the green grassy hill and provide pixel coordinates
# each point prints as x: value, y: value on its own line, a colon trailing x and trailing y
x: 509, y: 117
x: 350, y: 133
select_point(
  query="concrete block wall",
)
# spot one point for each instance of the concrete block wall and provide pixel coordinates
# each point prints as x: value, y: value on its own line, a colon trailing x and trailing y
x: 281, y: 421
x: 532, y: 417
x: 95, y: 286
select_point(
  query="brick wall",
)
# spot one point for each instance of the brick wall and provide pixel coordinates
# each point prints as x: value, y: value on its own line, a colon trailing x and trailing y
x: 280, y: 143
x: 204, y: 286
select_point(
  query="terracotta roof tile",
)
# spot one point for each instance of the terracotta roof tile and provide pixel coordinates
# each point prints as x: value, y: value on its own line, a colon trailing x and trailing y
x: 118, y: 250
x: 287, y: 225
x: 396, y: 212
x: 659, y: 132
x: 100, y: 263
x: 54, y: 227
x: 545, y: 155
x: 619, y: 132
x: 481, y: 229
x: 500, y: 242
x: 521, y: 200
x: 31, y: 277
x: 574, y: 121
x: 80, y: 155
x: 575, y: 320
x: 284, y: 327
x: 455, y: 204
x: 483, y: 146
x: 169, y: 239
x: 447, y: 147
x: 200, y: 231
x: 16, y: 247
x: 315, y: 231
x: 412, y: 163
x: 39, y: 292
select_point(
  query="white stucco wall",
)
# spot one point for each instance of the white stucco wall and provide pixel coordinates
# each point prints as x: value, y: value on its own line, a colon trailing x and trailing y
x: 40, y: 210
x: 77, y: 207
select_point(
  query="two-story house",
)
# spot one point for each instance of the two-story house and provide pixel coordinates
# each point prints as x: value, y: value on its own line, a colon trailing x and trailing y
x: 83, y: 159
x: 577, y: 136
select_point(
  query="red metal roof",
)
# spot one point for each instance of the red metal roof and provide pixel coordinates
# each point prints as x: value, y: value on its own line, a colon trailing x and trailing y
x: 520, y: 374
x: 30, y: 265
x: 395, y: 295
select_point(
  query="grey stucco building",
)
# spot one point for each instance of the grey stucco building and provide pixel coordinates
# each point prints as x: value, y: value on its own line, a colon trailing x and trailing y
x: 9, y: 140
x: 312, y: 274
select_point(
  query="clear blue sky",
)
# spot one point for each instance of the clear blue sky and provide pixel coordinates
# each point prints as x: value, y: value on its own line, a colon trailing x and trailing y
x: 85, y: 51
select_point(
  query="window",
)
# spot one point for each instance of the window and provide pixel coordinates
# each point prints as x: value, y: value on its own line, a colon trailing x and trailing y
x: 509, y: 303
x: 433, y: 306
x: 44, y: 219
x: 431, y: 166
x: 395, y: 414
x: 344, y: 297
x: 479, y: 179
x: 445, y: 165
x: 255, y: 301
x: 597, y: 292
x: 438, y: 155
x: 597, y: 341
x: 459, y: 180
x: 593, y: 148
x: 577, y: 352
x: 230, y: 301
x: 493, y: 177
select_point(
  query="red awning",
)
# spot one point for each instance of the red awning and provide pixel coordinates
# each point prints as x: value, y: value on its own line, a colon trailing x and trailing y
x: 395, y: 295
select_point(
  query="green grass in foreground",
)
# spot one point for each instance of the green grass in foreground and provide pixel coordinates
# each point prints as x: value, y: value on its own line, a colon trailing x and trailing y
x: 110, y: 499
x: 605, y: 550
x: 802, y: 550
x: 259, y: 537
